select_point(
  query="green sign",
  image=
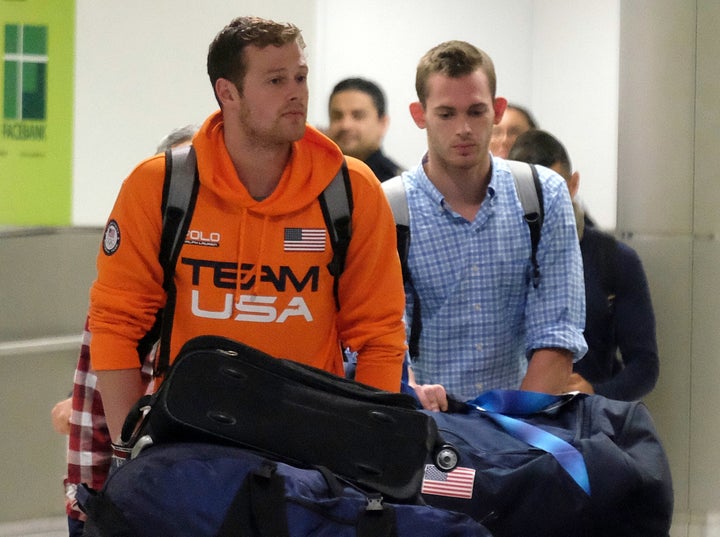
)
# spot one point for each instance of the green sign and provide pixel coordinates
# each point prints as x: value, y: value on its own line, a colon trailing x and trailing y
x: 37, y: 103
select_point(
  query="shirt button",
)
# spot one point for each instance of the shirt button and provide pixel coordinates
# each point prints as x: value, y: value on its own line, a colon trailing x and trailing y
x: 477, y: 307
x: 478, y: 347
x: 475, y: 269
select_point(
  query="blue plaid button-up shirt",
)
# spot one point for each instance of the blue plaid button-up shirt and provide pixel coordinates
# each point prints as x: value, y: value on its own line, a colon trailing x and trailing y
x: 481, y: 316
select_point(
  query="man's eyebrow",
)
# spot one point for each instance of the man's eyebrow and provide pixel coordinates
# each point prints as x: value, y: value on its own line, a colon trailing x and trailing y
x: 277, y: 70
x: 281, y: 70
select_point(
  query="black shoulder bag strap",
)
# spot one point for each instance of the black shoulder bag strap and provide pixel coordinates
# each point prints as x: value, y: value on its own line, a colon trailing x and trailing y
x: 529, y: 190
x: 607, y: 254
x: 178, y: 203
x: 259, y: 509
x: 336, y: 202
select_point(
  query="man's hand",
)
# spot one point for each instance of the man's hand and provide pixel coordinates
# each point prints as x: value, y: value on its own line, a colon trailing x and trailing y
x: 431, y: 396
x: 60, y: 415
x: 578, y: 384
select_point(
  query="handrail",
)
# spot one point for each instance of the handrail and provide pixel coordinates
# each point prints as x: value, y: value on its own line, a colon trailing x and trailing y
x: 12, y: 232
x: 41, y: 345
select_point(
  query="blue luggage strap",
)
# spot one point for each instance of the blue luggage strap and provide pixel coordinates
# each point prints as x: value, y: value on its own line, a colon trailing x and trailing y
x: 497, y: 404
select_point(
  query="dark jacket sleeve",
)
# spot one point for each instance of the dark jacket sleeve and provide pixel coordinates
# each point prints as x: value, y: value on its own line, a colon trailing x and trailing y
x: 623, y: 360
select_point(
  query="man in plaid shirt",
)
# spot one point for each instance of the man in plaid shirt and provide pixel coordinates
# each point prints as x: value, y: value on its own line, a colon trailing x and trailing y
x: 89, y: 447
x: 82, y: 416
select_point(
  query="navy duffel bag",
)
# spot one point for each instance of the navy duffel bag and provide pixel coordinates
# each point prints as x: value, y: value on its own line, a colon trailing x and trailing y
x: 197, y: 490
x: 540, y: 465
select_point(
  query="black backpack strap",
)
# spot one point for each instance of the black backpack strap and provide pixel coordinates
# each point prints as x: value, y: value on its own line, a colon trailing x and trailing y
x: 336, y: 202
x: 607, y: 254
x: 529, y: 190
x: 178, y: 203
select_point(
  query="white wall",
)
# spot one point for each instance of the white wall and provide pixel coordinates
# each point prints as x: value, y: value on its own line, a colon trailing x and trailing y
x: 140, y: 71
x: 574, y: 85
x: 389, y: 53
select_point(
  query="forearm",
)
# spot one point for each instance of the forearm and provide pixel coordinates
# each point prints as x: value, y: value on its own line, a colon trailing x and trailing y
x: 548, y: 371
x: 120, y: 389
x: 635, y: 381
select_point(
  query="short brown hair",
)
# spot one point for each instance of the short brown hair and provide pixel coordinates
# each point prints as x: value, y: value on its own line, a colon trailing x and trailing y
x: 225, y: 55
x: 453, y: 59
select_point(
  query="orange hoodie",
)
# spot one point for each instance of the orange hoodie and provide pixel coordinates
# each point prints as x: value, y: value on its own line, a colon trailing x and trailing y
x: 250, y: 270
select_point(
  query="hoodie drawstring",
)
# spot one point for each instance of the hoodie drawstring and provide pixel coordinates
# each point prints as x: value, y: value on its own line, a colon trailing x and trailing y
x: 257, y: 265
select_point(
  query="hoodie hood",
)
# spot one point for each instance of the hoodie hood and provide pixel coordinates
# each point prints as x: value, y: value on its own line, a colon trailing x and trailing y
x: 299, y: 185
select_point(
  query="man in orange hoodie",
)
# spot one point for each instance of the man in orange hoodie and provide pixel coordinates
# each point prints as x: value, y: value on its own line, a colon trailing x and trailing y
x: 261, y: 170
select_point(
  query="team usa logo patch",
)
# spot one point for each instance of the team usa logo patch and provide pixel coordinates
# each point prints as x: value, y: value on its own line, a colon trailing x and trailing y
x: 111, y: 238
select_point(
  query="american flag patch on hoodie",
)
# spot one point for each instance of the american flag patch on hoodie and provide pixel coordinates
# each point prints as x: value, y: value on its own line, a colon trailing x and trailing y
x: 300, y: 239
x: 455, y: 484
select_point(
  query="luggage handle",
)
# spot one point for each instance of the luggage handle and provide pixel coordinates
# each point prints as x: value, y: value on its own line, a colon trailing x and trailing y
x: 135, y: 420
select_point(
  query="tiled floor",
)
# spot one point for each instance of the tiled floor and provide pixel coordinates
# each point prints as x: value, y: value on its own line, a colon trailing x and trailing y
x: 44, y: 527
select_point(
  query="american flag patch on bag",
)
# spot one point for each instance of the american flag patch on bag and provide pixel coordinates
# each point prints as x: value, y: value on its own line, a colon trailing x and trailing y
x: 456, y: 484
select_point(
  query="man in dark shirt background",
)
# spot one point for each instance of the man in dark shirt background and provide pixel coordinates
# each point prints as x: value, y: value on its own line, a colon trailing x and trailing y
x: 358, y: 123
x: 622, y: 359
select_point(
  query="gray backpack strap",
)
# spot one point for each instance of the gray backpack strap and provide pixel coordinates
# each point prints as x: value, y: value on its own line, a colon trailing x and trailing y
x: 395, y: 194
x: 529, y: 190
x: 522, y: 173
x: 394, y: 189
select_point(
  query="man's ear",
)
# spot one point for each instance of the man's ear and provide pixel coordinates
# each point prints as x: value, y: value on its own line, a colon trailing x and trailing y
x: 226, y: 91
x: 417, y: 111
x: 384, y: 124
x: 574, y: 184
x: 500, y: 105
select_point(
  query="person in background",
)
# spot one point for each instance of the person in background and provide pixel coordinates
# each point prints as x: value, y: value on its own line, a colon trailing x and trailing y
x: 177, y: 138
x: 514, y: 122
x: 484, y: 323
x: 82, y: 416
x: 359, y: 122
x: 622, y: 359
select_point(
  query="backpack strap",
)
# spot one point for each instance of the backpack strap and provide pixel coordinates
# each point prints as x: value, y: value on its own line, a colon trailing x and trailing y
x: 394, y: 189
x: 336, y: 202
x: 395, y: 193
x: 178, y: 203
x: 606, y: 255
x: 529, y: 190
x: 179, y: 196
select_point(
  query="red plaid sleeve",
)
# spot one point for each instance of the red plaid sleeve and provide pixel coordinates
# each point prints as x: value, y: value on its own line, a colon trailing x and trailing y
x: 89, y: 447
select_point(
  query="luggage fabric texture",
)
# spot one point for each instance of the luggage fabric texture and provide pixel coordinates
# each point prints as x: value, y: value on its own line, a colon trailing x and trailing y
x: 198, y: 490
x: 219, y: 390
x: 515, y: 489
